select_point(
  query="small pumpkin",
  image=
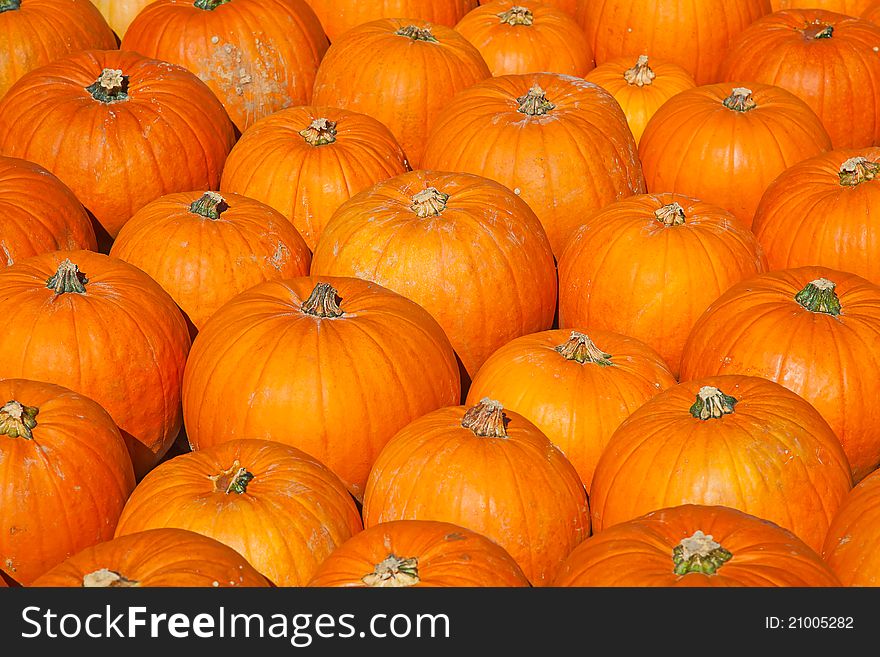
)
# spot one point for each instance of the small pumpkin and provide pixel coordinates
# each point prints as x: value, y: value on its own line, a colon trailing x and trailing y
x: 850, y: 546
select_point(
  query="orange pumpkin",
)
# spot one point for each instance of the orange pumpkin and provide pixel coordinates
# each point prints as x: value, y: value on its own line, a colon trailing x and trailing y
x: 204, y: 248
x: 851, y: 7
x: 703, y: 139
x: 463, y: 247
x: 280, y: 508
x: 38, y: 213
x: 808, y: 328
x: 257, y: 56
x: 65, y: 474
x: 105, y: 329
x: 120, y: 13
x: 408, y: 71
x: 561, y: 143
x: 330, y: 352
x: 695, y: 546
x: 155, y: 557
x: 324, y: 155
x: 851, y: 542
x: 576, y: 388
x: 418, y: 553
x: 489, y: 470
x: 872, y: 13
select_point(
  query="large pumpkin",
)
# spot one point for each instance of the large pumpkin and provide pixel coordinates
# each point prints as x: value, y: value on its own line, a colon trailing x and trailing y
x: 407, y: 71
x: 119, y: 129
x: 38, y: 213
x: 105, y: 329
x: 65, y: 474
x: 421, y: 553
x: 277, y: 506
x: 463, y: 247
x: 489, y: 470
x: 851, y: 543
x: 559, y: 142
x: 850, y: 7
x: 257, y: 56
x: 824, y: 58
x: 702, y: 140
x: 351, y: 361
x: 324, y: 155
x: 695, y: 545
x: 155, y: 557
x: 812, y: 329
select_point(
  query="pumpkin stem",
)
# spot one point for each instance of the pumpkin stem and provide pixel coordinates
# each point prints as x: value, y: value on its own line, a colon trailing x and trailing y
x: 320, y: 131
x: 712, y: 403
x: 581, y: 348
x: 322, y: 302
x: 67, y: 278
x: 486, y: 419
x: 209, y: 5
x: 818, y: 31
x: 517, y: 15
x: 857, y: 170
x: 417, y: 33
x: 698, y: 554
x: 105, y: 578
x: 110, y: 87
x: 740, y: 100
x: 429, y: 202
x: 393, y: 572
x: 18, y: 420
x: 819, y: 297
x: 233, y: 480
x: 640, y: 74
x: 211, y: 205
x: 534, y: 103
x: 9, y: 5
x: 670, y: 215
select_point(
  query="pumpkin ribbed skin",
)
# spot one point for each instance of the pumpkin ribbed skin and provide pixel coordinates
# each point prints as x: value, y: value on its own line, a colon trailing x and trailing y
x: 262, y: 359
x: 481, y: 264
x: 851, y: 542
x: 849, y: 7
x: 823, y: 58
x: 155, y: 558
x: 277, y: 506
x: 774, y: 130
x: 565, y: 161
x: 339, y: 16
x: 639, y: 553
x: 257, y: 56
x: 170, y: 135
x: 63, y: 485
x: 418, y: 553
x: 824, y: 211
x: 38, y: 213
x: 202, y: 261
x: 758, y: 328
x: 872, y: 13
x: 412, y: 69
x: 120, y: 13
x: 320, y: 169
x: 122, y: 341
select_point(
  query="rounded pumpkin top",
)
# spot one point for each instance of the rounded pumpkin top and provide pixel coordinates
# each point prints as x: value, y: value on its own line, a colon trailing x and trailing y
x: 851, y: 542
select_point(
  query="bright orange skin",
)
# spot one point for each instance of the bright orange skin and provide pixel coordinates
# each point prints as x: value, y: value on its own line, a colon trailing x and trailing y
x: 294, y: 513
x: 851, y: 542
x: 673, y: 273
x: 850, y: 7
x: 483, y: 268
x: 448, y: 555
x: 577, y: 405
x: 317, y: 179
x: 38, y: 213
x: 639, y: 104
x: 519, y: 491
x: 202, y: 262
x: 872, y: 13
x: 262, y: 355
x: 159, y: 558
x: 257, y: 56
x: 63, y: 490
x: 570, y: 7
x: 692, y: 33
x: 171, y: 135
x: 123, y: 343
x: 757, y: 328
x: 638, y: 553
x: 41, y: 31
x: 565, y: 164
x: 553, y: 43
x: 725, y: 145
x: 838, y: 77
x: 774, y: 457
x: 399, y: 81
x: 806, y: 217
x: 339, y: 16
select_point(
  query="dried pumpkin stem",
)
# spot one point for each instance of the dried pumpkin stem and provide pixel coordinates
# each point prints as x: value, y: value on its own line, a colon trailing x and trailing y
x: 320, y: 132
x: 581, y: 348
x: 712, y: 404
x: 210, y: 205
x: 393, y: 572
x: 640, y: 74
x: 819, y: 296
x: 110, y: 87
x: 322, y: 302
x: 108, y: 579
x: 517, y: 15
x: 67, y: 278
x: 429, y: 202
x: 233, y: 480
x: 699, y: 553
x: 740, y: 100
x: 819, y: 31
x: 486, y: 419
x: 18, y: 420
x: 9, y: 5
x: 417, y: 33
x: 857, y: 170
x: 534, y: 102
x: 671, y: 214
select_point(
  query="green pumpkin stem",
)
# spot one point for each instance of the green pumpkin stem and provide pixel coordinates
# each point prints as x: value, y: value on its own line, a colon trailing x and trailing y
x: 320, y: 132
x: 210, y: 205
x: 322, y: 302
x: 486, y: 419
x: 640, y: 74
x: 417, y: 33
x: 819, y: 31
x: 534, y: 102
x: 671, y: 214
x: 711, y: 403
x: 110, y: 87
x: 209, y: 5
x: 517, y: 15
x: 108, y: 579
x: 234, y: 480
x: 67, y: 279
x: 18, y: 420
x: 582, y: 349
x: 393, y: 572
x: 857, y: 170
x: 9, y: 5
x: 819, y: 296
x: 429, y: 202
x: 699, y: 554
x: 740, y: 100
